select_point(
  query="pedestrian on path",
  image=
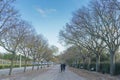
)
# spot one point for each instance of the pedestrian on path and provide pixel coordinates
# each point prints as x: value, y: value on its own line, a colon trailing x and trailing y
x: 62, y: 67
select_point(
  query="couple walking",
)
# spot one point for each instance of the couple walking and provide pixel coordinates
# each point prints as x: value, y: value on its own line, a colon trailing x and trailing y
x: 62, y: 66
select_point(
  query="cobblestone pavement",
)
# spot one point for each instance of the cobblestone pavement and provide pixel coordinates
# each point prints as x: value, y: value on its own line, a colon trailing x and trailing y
x: 52, y: 74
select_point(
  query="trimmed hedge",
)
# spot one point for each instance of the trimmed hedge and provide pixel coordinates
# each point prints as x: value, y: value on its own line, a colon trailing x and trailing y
x: 117, y: 68
x: 104, y: 67
x: 8, y: 66
x: 4, y: 66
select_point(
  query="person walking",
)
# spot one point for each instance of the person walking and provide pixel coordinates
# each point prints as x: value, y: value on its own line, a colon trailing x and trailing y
x: 61, y: 67
x: 64, y: 66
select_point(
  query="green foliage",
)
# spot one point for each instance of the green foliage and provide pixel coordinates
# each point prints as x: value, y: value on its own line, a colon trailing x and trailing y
x: 104, y: 57
x: 104, y: 67
x: 117, y: 68
x: 8, y: 66
x: 4, y: 66
x: 8, y: 56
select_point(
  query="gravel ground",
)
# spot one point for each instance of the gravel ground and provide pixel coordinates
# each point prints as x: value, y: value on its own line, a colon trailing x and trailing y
x: 53, y: 73
x: 94, y: 75
x: 29, y: 75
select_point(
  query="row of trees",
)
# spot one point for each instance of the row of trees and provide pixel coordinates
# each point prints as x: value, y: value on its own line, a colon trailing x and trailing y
x: 18, y: 36
x: 95, y: 29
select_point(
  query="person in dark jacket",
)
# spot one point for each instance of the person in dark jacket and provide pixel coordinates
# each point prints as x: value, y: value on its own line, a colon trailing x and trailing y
x: 62, y: 66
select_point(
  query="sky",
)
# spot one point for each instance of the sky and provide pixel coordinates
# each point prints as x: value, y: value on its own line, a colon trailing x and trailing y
x: 49, y: 16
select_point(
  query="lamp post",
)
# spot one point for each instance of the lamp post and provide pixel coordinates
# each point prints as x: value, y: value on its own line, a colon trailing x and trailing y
x: 20, y: 61
x: 3, y: 60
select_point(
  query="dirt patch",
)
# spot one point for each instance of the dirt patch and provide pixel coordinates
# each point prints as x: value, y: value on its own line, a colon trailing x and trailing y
x: 93, y: 75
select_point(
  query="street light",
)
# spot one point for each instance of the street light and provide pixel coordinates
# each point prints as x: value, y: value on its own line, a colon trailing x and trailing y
x: 20, y: 61
x: 2, y: 59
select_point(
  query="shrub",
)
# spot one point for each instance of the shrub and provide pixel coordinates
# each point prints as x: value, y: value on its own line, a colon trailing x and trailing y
x: 117, y: 68
x: 104, y: 67
x: 4, y: 66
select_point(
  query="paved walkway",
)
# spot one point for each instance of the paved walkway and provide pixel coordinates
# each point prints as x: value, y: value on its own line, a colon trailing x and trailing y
x: 55, y: 74
x: 52, y: 74
x: 15, y: 70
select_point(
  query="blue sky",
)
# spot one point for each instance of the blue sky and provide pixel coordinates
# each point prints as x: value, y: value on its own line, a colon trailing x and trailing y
x: 49, y: 16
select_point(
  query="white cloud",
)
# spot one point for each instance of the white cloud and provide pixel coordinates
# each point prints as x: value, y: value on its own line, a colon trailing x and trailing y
x: 45, y: 12
x: 41, y: 11
x: 51, y: 10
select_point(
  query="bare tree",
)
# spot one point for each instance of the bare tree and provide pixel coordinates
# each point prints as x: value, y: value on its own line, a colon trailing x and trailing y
x: 96, y: 46
x: 8, y: 15
x: 106, y: 19
x: 50, y: 53
x: 77, y: 35
x: 12, y: 38
x: 42, y: 44
x: 32, y: 48
x: 101, y: 20
x: 25, y: 51
x: 24, y: 45
x: 71, y: 56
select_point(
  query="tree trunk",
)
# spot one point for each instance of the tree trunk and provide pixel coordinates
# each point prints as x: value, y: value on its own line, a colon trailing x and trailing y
x: 25, y: 65
x: 97, y: 63
x: 33, y: 67
x: 76, y: 63
x: 83, y: 63
x: 38, y: 65
x: 48, y: 64
x: 41, y: 64
x: 33, y: 64
x: 11, y: 66
x: 89, y: 62
x: 79, y: 63
x: 112, y: 63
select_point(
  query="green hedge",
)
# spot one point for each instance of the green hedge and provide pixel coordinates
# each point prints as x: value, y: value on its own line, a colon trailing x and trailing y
x: 104, y: 67
x: 4, y: 66
x: 8, y: 66
x: 117, y: 68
